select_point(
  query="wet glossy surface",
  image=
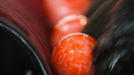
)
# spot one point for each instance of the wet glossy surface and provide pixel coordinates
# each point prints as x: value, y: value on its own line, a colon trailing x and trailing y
x: 73, y: 55
x: 69, y: 24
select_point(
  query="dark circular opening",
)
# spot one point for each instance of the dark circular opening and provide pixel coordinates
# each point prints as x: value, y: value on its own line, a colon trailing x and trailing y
x: 15, y: 58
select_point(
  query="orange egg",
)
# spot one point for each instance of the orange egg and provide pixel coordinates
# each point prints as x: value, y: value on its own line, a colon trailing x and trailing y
x: 73, y: 55
x: 69, y: 24
x: 57, y: 9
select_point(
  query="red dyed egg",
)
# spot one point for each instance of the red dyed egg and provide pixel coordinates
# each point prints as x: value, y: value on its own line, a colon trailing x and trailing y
x: 73, y: 55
